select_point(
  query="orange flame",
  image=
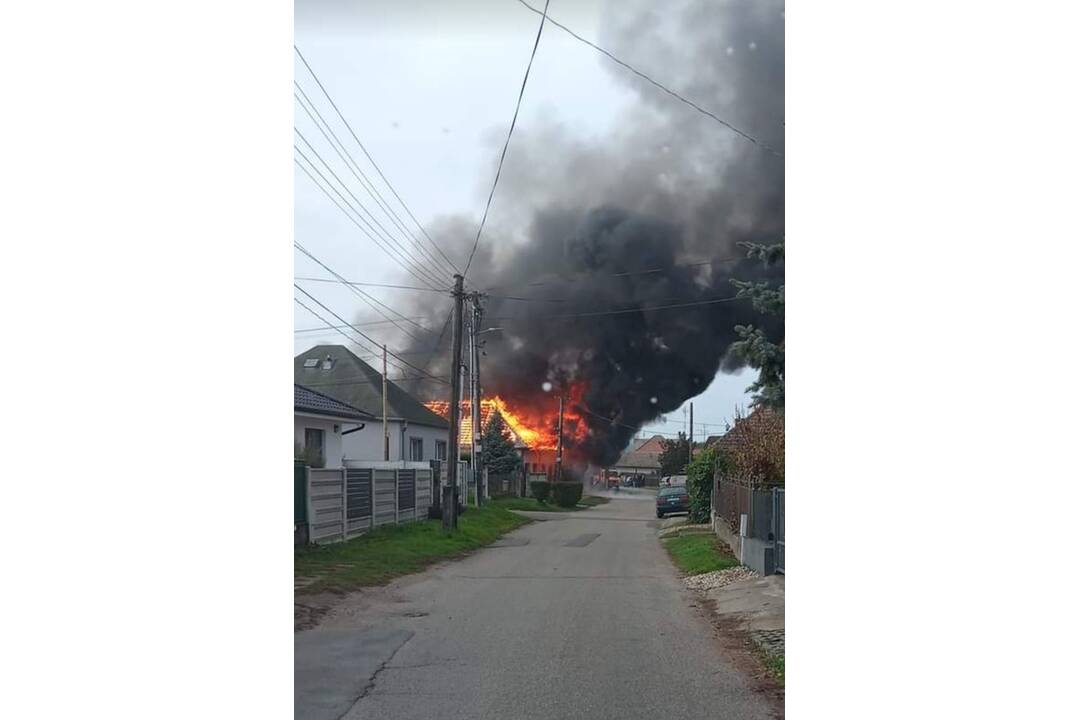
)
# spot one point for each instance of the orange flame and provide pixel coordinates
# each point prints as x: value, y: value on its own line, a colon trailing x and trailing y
x: 535, y: 427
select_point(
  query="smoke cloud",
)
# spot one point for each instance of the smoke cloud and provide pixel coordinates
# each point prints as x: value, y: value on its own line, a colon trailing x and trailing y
x: 578, y: 224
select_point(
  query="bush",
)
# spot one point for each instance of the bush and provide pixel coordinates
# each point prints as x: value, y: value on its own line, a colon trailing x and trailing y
x: 567, y: 494
x: 540, y: 490
x: 699, y: 483
x: 309, y: 456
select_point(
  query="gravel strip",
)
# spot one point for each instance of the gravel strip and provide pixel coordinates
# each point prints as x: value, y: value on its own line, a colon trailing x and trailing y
x: 719, y: 578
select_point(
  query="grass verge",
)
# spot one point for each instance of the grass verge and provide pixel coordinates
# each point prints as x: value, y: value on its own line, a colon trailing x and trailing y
x: 394, y: 550
x: 699, y: 553
x: 775, y: 665
x: 531, y: 504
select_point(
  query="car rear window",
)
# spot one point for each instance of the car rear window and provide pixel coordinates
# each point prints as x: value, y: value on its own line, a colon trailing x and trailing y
x: 677, y: 490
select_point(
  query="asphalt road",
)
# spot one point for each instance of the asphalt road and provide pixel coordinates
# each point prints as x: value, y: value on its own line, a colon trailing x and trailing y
x: 579, y: 616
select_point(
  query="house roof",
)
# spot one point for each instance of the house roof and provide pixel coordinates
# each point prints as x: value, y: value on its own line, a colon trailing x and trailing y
x: 308, y: 401
x: 352, y: 381
x: 651, y: 445
x: 639, y: 460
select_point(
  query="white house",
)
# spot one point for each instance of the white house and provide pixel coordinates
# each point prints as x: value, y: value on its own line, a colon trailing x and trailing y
x: 321, y: 422
x: 416, y: 433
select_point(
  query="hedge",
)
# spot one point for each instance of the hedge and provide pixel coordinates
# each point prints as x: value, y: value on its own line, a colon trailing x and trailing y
x: 567, y: 494
x: 540, y: 489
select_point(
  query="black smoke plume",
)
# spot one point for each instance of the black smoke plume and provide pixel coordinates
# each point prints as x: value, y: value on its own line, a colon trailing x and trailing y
x: 581, y: 227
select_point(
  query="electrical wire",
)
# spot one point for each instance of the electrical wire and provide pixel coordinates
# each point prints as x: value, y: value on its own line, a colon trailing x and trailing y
x: 371, y: 284
x: 371, y: 159
x: 509, y: 134
x: 369, y: 298
x: 419, y: 270
x: 362, y: 334
x: 342, y: 332
x: 359, y: 174
x: 340, y: 207
x: 656, y: 84
x: 592, y: 276
x: 623, y: 310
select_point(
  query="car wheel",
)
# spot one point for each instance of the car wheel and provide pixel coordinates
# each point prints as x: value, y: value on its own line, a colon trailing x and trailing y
x: 659, y: 514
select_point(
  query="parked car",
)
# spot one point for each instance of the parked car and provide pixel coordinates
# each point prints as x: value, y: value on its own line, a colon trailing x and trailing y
x: 673, y: 499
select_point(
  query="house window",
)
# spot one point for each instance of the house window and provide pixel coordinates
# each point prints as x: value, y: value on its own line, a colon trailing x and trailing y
x: 416, y: 448
x: 313, y: 438
x: 313, y: 443
x: 440, y: 449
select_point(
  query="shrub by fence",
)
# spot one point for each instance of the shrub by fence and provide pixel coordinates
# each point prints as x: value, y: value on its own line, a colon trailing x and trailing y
x: 539, y: 489
x: 566, y: 494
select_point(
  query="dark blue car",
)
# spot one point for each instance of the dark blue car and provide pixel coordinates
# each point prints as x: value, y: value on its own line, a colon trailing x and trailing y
x: 672, y: 499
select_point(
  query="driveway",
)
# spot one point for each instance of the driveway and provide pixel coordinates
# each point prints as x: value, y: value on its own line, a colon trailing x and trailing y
x: 576, y: 616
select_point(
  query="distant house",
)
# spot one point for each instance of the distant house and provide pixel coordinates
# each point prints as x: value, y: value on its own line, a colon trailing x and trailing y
x: 416, y: 433
x: 320, y: 422
x: 636, y: 463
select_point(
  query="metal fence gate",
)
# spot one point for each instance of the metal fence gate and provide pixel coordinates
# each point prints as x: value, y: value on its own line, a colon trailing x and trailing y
x: 778, y: 527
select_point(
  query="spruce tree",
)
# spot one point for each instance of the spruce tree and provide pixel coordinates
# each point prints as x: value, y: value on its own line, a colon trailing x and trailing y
x: 499, y: 455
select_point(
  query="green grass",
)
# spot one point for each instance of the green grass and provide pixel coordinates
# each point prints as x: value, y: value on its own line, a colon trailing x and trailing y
x: 695, y: 554
x: 394, y: 550
x: 775, y: 665
x: 528, y: 503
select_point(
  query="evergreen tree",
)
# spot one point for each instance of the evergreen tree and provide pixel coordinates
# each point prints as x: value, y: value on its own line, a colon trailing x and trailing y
x: 755, y: 347
x: 499, y: 455
x: 674, y: 455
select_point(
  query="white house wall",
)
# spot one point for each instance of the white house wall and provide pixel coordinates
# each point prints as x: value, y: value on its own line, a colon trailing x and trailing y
x: 366, y: 444
x: 332, y: 452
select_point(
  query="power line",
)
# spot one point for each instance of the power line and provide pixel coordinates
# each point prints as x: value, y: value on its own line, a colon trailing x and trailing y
x: 592, y: 276
x: 363, y: 324
x: 648, y: 79
x: 421, y: 271
x: 624, y: 310
x: 372, y: 284
x: 371, y: 159
x: 363, y: 335
x: 374, y: 239
x: 368, y: 298
x: 506, y: 145
x: 359, y: 174
x: 328, y: 324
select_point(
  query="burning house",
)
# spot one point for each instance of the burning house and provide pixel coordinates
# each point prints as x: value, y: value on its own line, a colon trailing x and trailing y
x: 534, y: 433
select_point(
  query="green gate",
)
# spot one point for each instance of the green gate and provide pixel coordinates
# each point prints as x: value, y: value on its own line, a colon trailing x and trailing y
x: 299, y: 493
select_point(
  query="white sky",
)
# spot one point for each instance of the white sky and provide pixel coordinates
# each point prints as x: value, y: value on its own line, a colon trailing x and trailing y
x: 429, y: 88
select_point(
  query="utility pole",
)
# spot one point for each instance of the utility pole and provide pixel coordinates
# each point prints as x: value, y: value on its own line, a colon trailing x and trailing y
x: 385, y: 427
x: 558, y: 451
x: 449, y: 513
x: 691, y: 434
x: 477, y: 416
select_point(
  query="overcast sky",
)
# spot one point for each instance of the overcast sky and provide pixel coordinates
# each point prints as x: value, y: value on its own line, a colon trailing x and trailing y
x: 429, y: 88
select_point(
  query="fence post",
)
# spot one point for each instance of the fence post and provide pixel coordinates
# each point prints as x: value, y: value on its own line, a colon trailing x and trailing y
x: 344, y: 506
x: 397, y: 490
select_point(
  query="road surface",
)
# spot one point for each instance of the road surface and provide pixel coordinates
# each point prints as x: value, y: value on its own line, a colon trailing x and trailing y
x: 579, y: 616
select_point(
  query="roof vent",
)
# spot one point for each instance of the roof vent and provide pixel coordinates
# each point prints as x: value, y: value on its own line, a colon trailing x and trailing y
x: 311, y: 362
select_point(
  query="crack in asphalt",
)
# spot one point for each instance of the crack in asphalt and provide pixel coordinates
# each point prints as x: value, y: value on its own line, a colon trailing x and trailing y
x: 371, y: 680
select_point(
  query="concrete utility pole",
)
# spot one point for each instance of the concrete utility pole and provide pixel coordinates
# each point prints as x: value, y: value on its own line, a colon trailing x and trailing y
x: 449, y: 513
x: 558, y: 451
x: 691, y: 434
x: 477, y: 416
x: 385, y: 427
